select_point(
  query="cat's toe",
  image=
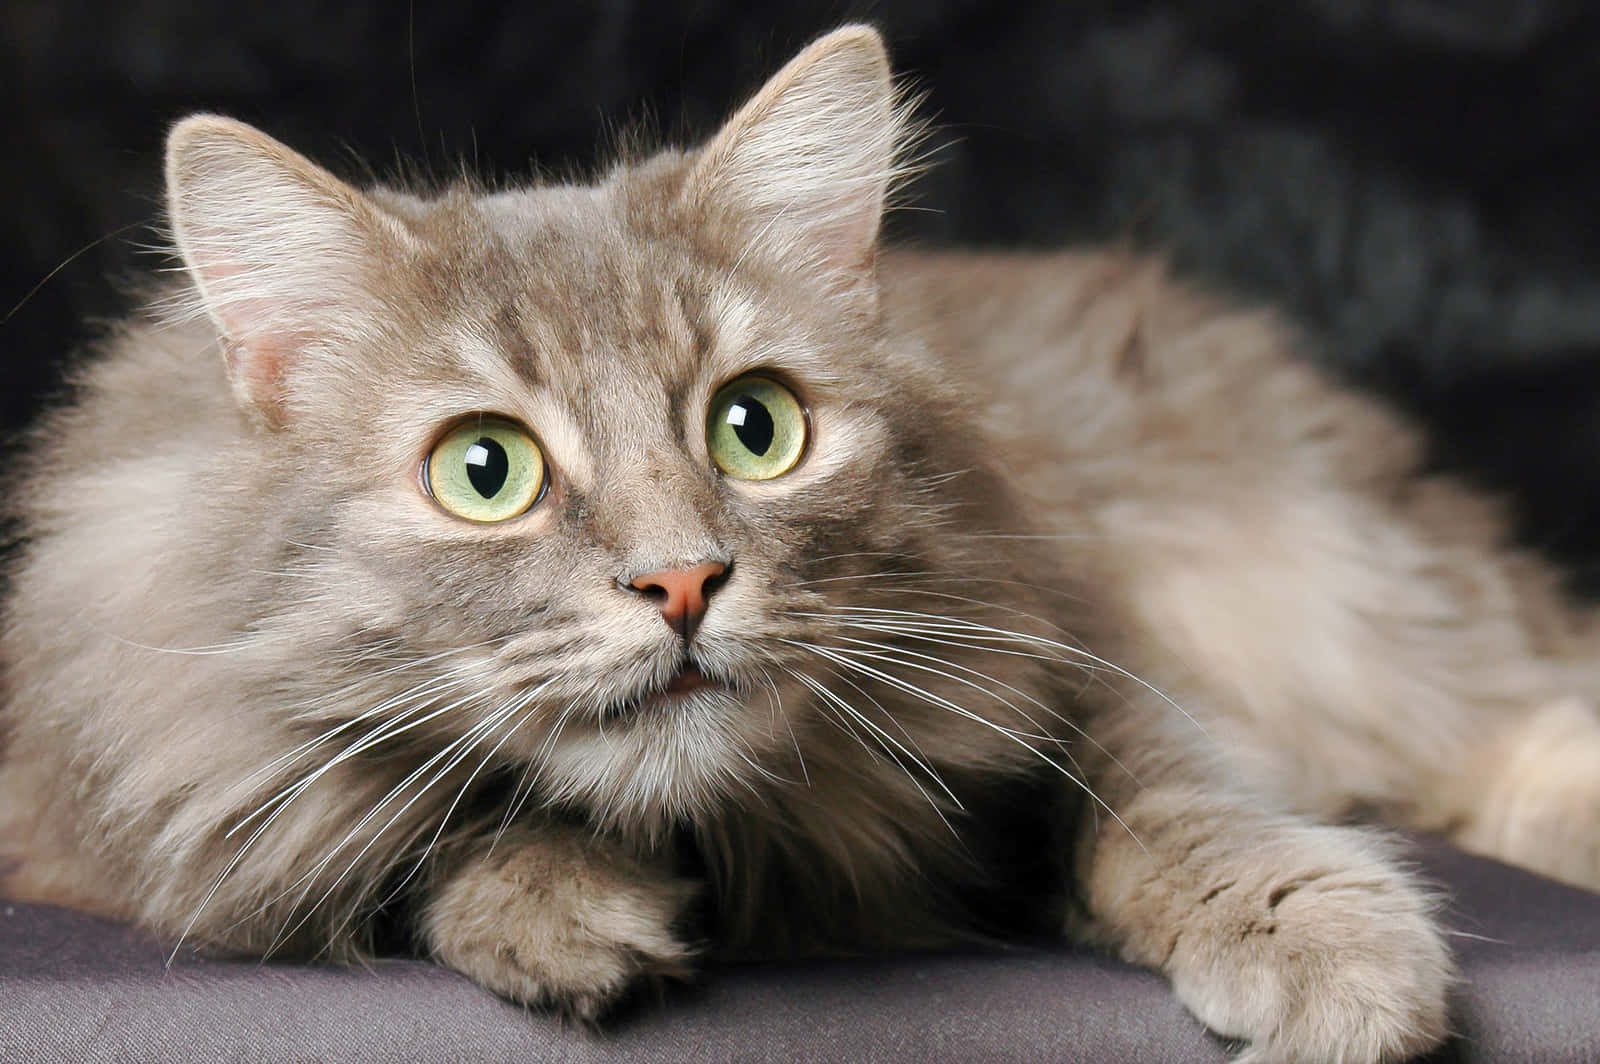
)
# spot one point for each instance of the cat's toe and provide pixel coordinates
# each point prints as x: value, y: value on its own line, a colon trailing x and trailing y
x: 1327, y: 965
x: 562, y: 925
x: 579, y: 961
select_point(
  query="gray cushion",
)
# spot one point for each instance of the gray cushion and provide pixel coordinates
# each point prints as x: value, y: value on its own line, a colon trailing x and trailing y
x: 74, y: 987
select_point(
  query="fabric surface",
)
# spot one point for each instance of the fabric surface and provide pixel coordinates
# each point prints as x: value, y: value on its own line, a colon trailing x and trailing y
x: 77, y: 988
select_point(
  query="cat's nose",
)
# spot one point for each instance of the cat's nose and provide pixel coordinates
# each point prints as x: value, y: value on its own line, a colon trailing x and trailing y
x: 682, y: 593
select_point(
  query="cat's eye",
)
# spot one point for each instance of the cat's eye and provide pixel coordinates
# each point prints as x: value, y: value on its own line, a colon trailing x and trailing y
x: 486, y: 469
x: 755, y: 429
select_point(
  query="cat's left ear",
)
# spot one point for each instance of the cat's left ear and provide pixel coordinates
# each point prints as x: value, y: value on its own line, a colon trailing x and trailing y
x: 806, y: 165
x: 285, y: 256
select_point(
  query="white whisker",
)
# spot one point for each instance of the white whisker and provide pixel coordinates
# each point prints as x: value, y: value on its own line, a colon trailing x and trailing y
x: 1067, y: 721
x: 889, y: 745
x: 927, y: 696
x: 452, y: 754
x: 778, y: 712
x: 936, y: 622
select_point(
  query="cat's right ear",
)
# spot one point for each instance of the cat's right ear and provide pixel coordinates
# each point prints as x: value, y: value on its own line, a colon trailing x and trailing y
x: 807, y: 164
x: 282, y: 253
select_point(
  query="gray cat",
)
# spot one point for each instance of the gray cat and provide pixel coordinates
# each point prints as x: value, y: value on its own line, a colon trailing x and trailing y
x: 601, y: 576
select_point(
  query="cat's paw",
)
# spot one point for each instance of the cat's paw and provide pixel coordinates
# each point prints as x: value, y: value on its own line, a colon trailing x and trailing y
x: 559, y: 919
x: 1336, y: 959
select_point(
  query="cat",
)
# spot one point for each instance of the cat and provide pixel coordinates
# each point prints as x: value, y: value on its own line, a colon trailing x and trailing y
x: 593, y: 578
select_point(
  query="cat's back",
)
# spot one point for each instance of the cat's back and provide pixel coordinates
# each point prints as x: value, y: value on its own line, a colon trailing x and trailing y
x: 135, y: 491
x: 1106, y: 362
x: 146, y: 404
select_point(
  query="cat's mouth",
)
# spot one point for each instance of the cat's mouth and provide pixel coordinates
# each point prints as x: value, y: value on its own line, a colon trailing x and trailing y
x: 689, y: 679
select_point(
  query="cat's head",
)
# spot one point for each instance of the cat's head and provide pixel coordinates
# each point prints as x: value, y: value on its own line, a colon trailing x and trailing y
x: 632, y: 472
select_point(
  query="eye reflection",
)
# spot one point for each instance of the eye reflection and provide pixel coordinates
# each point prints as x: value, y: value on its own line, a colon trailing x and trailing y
x: 487, y: 466
x: 752, y: 423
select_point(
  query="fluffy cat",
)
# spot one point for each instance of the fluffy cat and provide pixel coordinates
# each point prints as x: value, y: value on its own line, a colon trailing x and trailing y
x: 591, y: 577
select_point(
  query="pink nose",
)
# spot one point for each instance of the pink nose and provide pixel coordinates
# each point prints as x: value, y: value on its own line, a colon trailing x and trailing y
x: 681, y: 593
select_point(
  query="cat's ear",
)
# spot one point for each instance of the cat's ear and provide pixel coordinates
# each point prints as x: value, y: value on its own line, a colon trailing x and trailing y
x: 808, y: 161
x: 282, y: 253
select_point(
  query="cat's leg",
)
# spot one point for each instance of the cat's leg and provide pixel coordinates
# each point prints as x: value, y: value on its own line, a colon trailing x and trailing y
x: 554, y: 915
x: 1305, y: 940
x: 1387, y: 657
x: 1531, y: 794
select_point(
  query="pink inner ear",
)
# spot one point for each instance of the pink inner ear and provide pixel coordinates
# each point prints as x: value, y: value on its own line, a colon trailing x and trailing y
x: 254, y: 348
x: 260, y: 339
x: 255, y: 366
x: 280, y: 250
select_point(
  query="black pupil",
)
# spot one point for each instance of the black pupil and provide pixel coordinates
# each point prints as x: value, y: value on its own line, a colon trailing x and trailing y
x: 487, y: 466
x: 751, y: 423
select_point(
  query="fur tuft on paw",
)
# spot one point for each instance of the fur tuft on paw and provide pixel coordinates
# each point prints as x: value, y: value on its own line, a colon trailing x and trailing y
x: 560, y: 920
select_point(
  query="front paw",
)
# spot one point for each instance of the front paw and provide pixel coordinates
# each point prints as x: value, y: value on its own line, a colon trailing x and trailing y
x: 555, y: 917
x: 1325, y: 954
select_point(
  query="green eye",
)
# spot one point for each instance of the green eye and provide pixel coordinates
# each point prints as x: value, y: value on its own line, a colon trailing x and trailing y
x: 756, y: 429
x: 486, y: 469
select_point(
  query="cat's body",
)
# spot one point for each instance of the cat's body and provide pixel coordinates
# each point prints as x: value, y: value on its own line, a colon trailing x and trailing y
x: 1273, y: 547
x: 1080, y: 591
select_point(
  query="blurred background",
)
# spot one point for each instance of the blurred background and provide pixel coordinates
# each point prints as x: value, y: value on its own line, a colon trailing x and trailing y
x: 1417, y: 181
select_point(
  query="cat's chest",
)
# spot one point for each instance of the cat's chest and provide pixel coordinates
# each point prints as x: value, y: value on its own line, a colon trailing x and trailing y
x: 806, y: 873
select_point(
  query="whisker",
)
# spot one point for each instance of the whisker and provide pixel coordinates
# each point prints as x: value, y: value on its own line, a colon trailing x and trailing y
x: 890, y: 717
x: 944, y: 703
x: 777, y: 711
x: 277, y: 805
x: 523, y: 792
x: 385, y: 732
x: 886, y: 741
x: 1003, y: 701
x: 519, y: 705
x: 387, y: 704
x: 933, y: 621
x: 273, y: 807
x: 69, y: 260
x: 452, y: 754
x: 201, y: 651
x: 1038, y: 733
x: 902, y: 584
x: 420, y: 693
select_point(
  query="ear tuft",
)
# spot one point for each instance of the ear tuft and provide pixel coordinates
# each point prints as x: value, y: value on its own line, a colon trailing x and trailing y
x: 280, y: 251
x: 809, y: 160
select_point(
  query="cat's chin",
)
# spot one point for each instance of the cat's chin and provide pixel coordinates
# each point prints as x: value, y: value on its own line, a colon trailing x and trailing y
x: 672, y: 754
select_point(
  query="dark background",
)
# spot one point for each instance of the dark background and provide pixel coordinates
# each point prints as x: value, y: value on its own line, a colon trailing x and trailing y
x: 1417, y: 180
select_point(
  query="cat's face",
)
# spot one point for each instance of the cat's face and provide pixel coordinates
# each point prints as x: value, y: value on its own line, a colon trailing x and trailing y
x: 524, y: 427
